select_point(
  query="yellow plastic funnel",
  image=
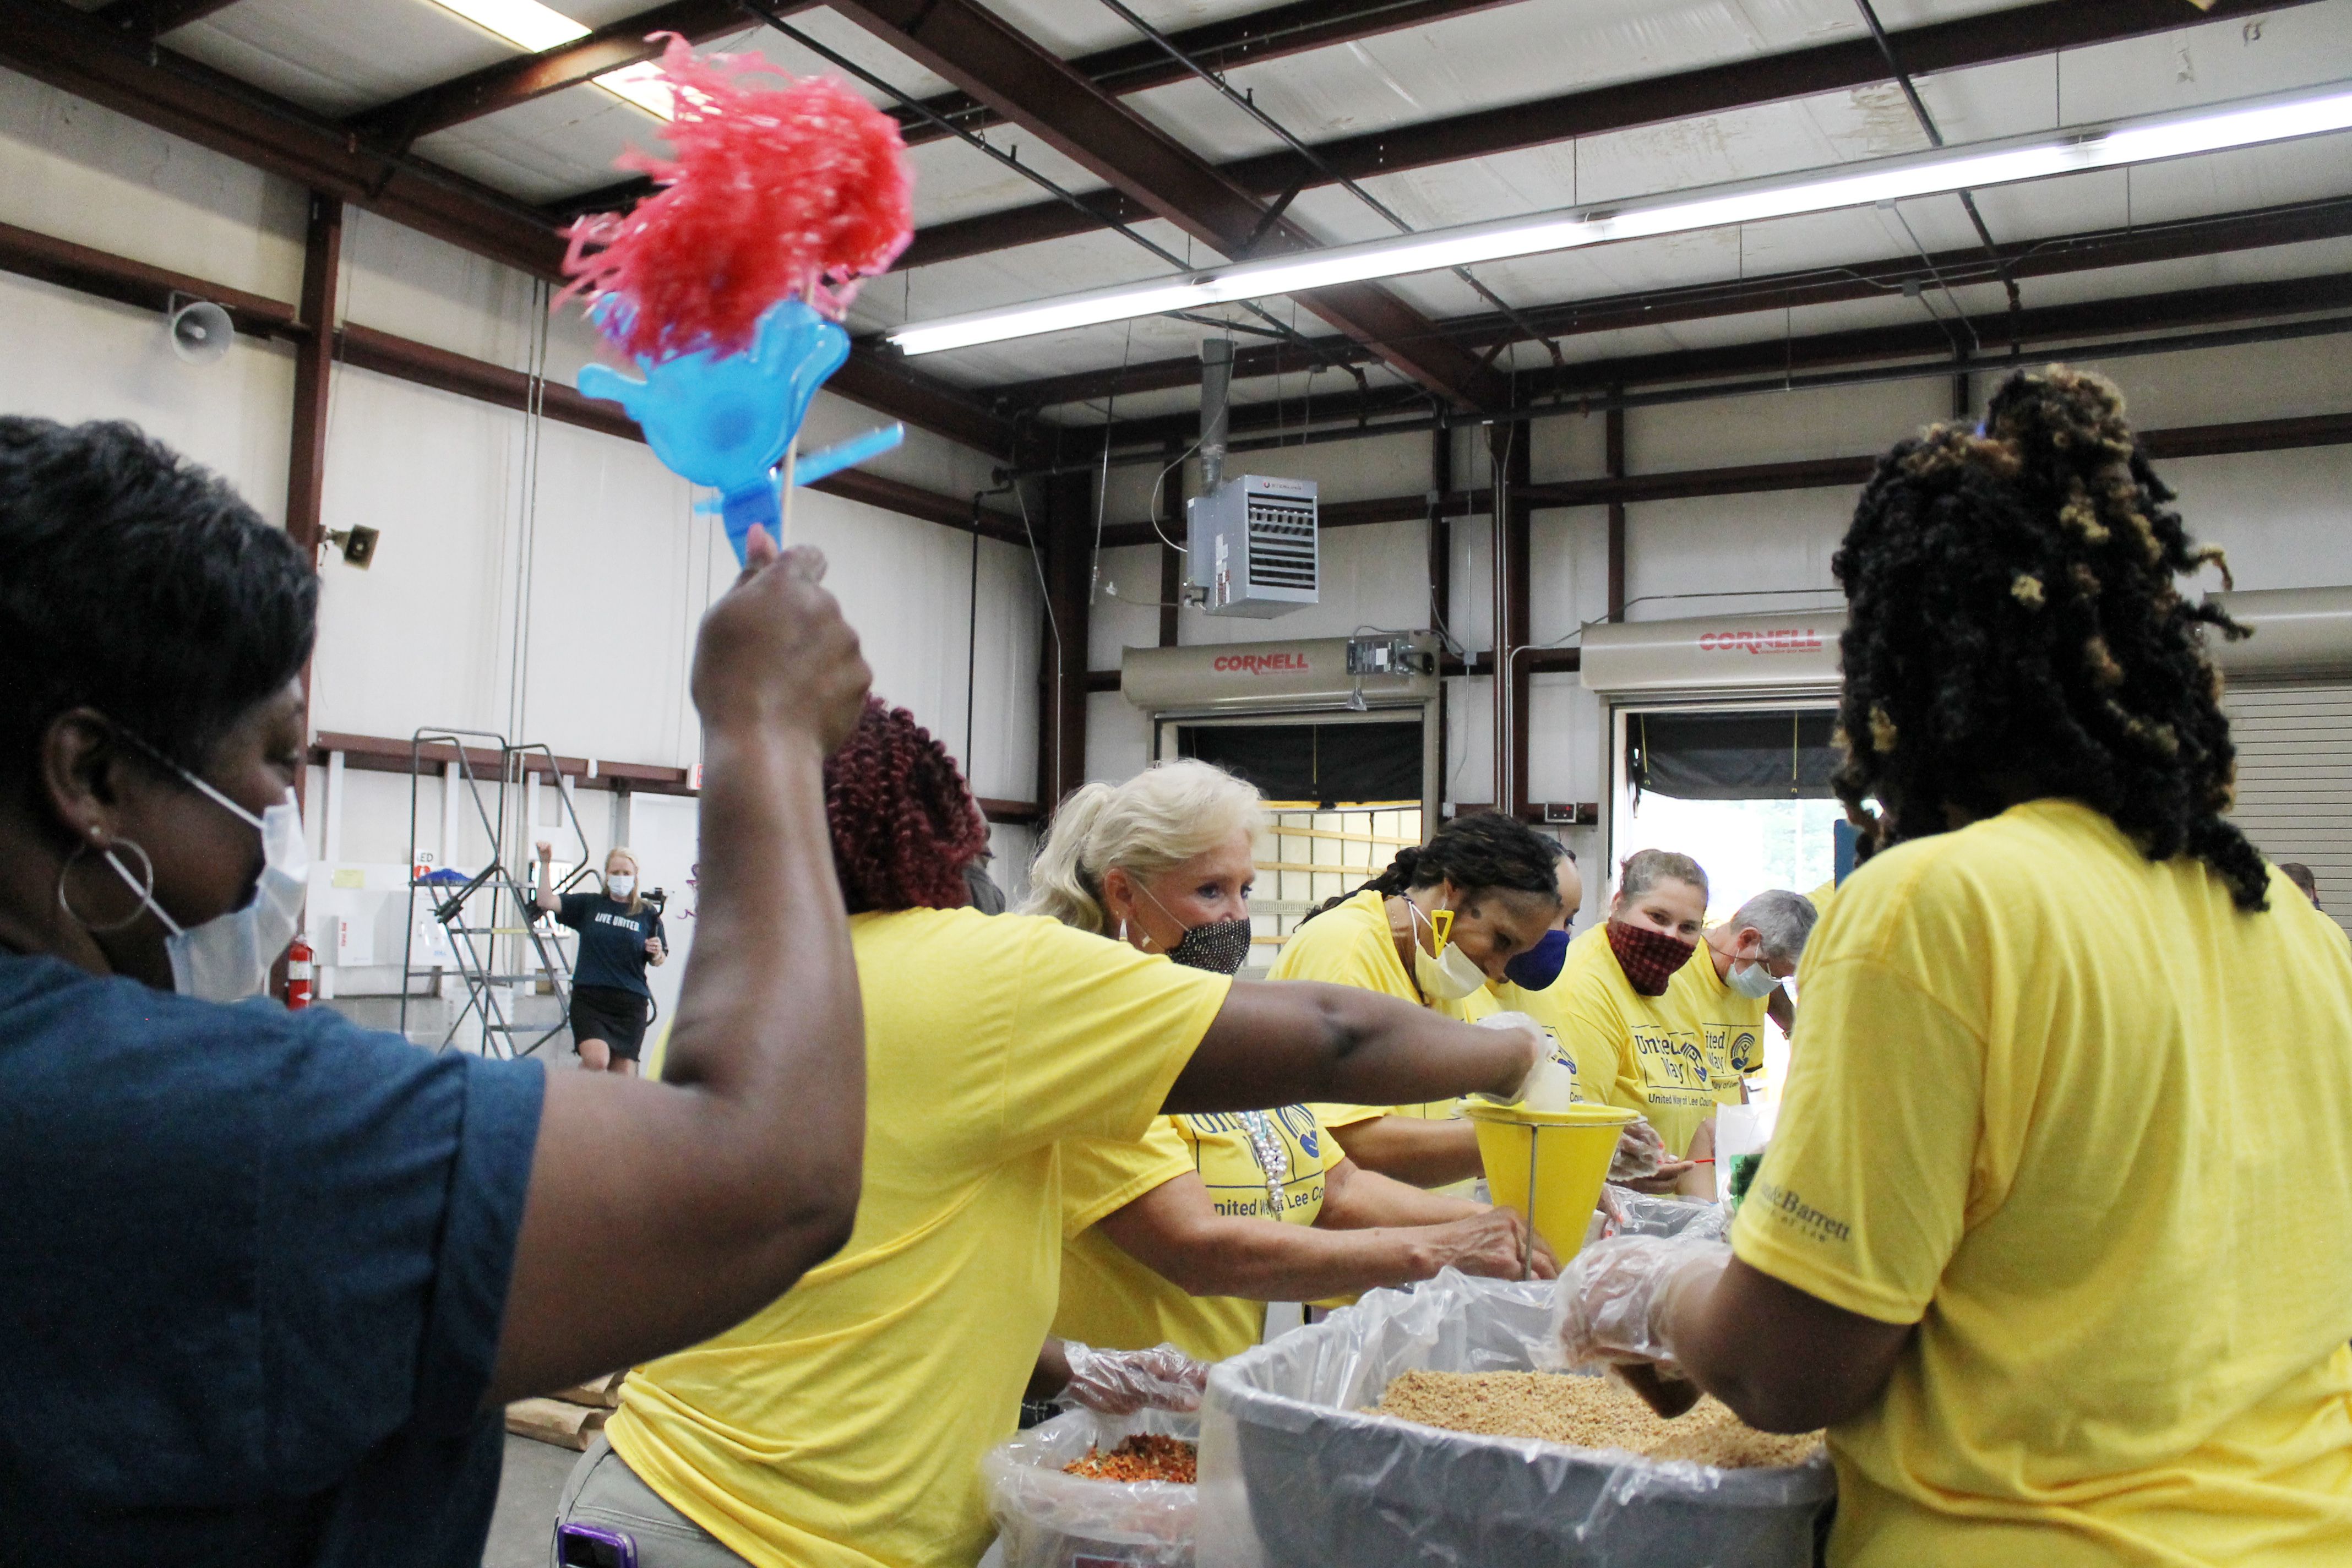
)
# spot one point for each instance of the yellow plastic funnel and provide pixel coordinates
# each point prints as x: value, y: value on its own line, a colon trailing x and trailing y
x: 1561, y: 1157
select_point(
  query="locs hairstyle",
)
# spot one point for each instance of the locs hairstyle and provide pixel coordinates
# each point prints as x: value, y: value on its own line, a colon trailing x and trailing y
x: 904, y: 824
x: 2013, y: 616
x: 139, y: 583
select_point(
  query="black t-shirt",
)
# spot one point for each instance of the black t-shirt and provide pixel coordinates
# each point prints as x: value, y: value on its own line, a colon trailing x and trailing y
x: 253, y: 1266
x: 612, y: 941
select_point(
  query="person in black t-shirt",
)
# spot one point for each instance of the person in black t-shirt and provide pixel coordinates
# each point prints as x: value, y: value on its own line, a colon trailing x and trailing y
x: 619, y: 935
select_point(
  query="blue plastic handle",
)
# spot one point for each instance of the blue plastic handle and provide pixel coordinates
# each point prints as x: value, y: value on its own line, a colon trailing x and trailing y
x: 725, y: 421
x: 847, y: 454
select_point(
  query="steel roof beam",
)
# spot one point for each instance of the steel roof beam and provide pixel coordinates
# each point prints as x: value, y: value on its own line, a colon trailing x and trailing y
x: 1911, y: 340
x: 984, y: 56
x: 2256, y: 228
x: 1984, y: 39
x: 1248, y: 39
x: 78, y: 54
x: 526, y: 77
x: 147, y: 19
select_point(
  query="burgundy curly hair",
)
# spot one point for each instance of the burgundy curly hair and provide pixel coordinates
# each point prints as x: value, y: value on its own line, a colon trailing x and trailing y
x: 904, y: 823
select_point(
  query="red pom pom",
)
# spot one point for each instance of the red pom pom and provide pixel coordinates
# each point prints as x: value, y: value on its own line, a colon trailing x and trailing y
x: 773, y: 192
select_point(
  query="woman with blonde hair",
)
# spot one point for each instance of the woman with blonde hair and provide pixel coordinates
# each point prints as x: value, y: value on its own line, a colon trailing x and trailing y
x: 620, y: 933
x: 1183, y: 1237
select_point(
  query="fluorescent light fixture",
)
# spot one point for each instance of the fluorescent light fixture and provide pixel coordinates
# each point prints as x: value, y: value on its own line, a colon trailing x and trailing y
x: 644, y: 85
x: 1857, y: 184
x: 528, y: 24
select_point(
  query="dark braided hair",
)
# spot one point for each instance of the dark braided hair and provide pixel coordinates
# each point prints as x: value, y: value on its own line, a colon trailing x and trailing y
x: 2013, y: 620
x: 1473, y: 853
x: 904, y: 824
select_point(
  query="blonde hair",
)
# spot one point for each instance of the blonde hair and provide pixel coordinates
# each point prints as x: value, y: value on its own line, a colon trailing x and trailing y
x: 637, y: 869
x: 1162, y: 818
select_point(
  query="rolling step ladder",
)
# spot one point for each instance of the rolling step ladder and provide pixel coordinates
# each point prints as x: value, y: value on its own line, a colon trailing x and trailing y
x: 497, y: 940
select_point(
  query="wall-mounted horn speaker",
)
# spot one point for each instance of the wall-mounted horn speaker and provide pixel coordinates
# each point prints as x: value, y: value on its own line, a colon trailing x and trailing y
x: 200, y: 332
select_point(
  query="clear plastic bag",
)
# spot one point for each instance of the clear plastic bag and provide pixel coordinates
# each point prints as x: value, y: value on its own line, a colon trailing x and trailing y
x: 1294, y: 1472
x: 1048, y: 1520
x: 1647, y: 1216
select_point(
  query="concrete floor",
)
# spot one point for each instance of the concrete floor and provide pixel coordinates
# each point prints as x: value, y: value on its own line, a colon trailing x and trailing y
x: 527, y: 1489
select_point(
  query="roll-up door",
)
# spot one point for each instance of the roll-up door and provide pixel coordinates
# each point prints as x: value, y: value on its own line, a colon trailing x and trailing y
x: 2295, y: 779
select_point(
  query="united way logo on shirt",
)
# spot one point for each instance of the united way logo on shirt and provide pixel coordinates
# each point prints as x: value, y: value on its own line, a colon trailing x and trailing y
x: 1299, y: 1122
x: 1560, y: 1052
x: 1673, y: 1065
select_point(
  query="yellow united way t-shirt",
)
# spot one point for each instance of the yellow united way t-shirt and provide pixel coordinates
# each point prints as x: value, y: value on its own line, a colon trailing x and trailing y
x: 842, y: 1425
x: 2090, y: 1128
x: 1111, y: 1300
x: 1608, y: 1032
x: 1350, y: 944
x: 1730, y: 1027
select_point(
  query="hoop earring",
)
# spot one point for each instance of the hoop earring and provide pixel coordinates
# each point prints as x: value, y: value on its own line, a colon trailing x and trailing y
x: 146, y: 890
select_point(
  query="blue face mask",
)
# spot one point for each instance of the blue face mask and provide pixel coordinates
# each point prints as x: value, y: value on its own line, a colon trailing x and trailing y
x: 1539, y: 965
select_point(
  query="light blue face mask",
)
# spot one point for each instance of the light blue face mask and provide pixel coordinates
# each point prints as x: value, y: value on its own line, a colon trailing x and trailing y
x: 227, y: 958
x: 1752, y: 981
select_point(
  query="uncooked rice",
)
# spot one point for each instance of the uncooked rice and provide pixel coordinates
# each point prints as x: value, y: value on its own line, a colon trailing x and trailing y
x: 1586, y: 1412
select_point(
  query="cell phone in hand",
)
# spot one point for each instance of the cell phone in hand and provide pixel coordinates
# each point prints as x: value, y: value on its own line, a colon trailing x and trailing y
x: 594, y: 1546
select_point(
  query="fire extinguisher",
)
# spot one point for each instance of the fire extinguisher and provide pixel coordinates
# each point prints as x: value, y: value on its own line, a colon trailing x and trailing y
x: 298, y: 969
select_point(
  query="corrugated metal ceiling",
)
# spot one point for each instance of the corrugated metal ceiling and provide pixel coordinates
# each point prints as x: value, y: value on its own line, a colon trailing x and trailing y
x: 338, y: 58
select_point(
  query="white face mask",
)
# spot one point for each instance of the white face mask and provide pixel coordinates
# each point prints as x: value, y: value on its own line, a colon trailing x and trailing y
x: 227, y: 958
x: 1448, y: 975
x: 620, y: 884
x: 1752, y: 981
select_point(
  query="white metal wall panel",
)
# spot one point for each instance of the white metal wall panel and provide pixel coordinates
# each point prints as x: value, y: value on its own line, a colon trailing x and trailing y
x: 2295, y: 780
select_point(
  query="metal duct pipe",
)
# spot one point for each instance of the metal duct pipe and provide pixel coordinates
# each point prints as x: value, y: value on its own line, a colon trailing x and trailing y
x: 1216, y: 387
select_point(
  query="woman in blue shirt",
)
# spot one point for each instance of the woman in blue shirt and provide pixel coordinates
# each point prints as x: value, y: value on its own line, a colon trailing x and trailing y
x: 619, y: 935
x: 267, y: 1278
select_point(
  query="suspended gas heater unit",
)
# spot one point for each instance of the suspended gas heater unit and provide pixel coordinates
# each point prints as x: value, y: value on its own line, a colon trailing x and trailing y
x: 1252, y: 546
x: 1250, y: 540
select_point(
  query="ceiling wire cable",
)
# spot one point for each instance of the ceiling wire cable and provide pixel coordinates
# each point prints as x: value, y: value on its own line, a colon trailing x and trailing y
x: 1248, y: 106
x: 972, y: 139
x: 1102, y: 489
x: 1157, y: 481
x: 1046, y: 598
x: 1959, y: 313
x: 1936, y: 139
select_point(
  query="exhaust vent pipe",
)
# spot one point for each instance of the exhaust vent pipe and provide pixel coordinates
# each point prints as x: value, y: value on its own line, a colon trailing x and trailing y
x: 1216, y: 394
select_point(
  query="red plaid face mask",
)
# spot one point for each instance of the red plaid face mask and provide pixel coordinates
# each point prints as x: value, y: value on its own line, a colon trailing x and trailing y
x: 1649, y: 958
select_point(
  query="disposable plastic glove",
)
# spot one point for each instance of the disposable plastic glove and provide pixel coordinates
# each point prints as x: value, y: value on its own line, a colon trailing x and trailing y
x: 1521, y: 1022
x: 1640, y: 1152
x: 1616, y: 1298
x: 1120, y: 1382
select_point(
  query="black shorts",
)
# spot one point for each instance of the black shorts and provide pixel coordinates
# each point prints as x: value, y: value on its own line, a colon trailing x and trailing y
x: 609, y: 1014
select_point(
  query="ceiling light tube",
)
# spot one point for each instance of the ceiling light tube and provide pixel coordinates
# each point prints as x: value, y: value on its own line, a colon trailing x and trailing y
x: 526, y: 23
x: 1937, y: 172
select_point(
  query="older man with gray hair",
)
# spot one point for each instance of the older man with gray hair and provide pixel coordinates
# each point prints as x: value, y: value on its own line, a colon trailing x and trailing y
x: 1723, y: 996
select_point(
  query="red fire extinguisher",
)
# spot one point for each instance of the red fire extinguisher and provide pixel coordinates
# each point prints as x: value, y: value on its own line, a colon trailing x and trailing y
x: 298, y: 969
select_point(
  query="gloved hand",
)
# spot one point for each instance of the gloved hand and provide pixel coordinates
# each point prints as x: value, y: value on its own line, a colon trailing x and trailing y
x: 1539, y: 1053
x: 1616, y: 1298
x: 1640, y: 1152
x: 1120, y: 1382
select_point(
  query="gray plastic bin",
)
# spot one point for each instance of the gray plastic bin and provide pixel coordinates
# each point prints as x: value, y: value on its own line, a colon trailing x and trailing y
x: 1293, y: 1472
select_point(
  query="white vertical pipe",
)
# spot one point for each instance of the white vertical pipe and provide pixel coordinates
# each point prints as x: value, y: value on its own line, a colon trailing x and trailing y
x: 450, y: 782
x: 331, y: 832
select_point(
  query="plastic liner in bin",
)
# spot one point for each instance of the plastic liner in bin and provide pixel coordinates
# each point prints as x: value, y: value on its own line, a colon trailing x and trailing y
x: 1048, y: 1520
x: 1294, y: 1472
x: 1648, y: 1216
